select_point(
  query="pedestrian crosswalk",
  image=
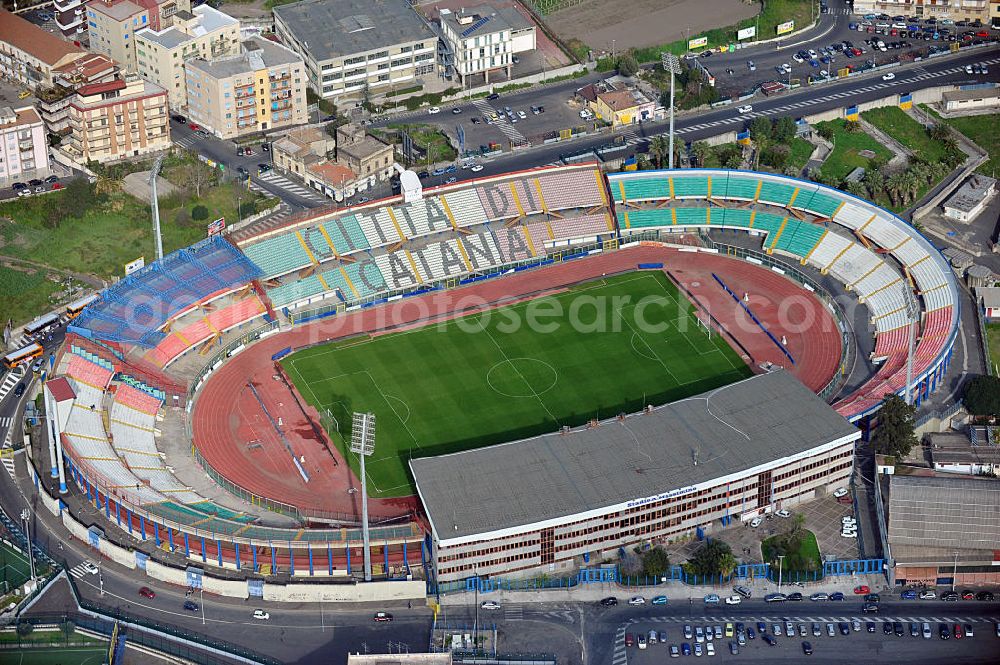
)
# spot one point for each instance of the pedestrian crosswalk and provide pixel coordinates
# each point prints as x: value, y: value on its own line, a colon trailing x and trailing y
x: 503, y: 124
x: 80, y: 571
x: 7, y: 459
x: 281, y: 182
x: 620, y: 656
x: 186, y: 141
x: 6, y: 422
x: 9, y: 382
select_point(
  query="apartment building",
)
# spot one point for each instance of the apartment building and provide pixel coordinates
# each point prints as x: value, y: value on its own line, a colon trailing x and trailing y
x: 483, y: 39
x: 113, y: 23
x: 29, y: 54
x: 956, y: 10
x: 262, y: 88
x: 70, y: 17
x: 118, y: 119
x: 24, y: 148
x: 54, y: 101
x: 350, y: 45
x: 203, y: 33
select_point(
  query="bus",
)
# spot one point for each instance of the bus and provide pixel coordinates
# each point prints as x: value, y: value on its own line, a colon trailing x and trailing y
x: 23, y: 355
x: 74, y: 308
x: 41, y: 324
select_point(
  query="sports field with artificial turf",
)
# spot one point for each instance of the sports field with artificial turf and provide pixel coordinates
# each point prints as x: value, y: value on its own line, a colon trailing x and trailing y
x: 601, y: 348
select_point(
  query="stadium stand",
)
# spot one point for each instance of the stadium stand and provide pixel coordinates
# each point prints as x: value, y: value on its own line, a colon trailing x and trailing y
x: 207, y: 327
x: 86, y: 371
x: 133, y: 310
x: 278, y: 255
x: 512, y: 244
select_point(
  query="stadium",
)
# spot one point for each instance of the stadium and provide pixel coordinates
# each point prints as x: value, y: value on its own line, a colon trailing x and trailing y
x: 696, y: 346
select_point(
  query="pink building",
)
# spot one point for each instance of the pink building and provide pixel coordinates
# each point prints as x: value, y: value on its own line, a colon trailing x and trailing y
x: 24, y: 150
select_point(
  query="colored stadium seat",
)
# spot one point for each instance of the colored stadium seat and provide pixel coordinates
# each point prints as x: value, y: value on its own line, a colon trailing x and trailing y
x: 690, y: 186
x: 776, y: 193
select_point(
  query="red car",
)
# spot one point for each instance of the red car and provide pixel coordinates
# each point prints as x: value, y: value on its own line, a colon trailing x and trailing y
x: 861, y: 590
x: 629, y: 639
x: 194, y: 126
x: 968, y: 595
x: 146, y: 592
x: 383, y: 617
x: 959, y: 631
x: 56, y: 186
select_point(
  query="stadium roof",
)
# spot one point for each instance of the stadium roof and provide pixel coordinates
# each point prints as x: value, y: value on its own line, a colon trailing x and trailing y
x: 943, y: 514
x: 333, y: 28
x: 730, y: 430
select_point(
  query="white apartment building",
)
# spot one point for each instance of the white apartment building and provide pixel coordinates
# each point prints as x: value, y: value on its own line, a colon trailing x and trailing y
x: 482, y: 39
x: 24, y: 147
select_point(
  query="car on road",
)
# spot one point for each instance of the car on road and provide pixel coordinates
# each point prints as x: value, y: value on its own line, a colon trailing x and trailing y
x: 659, y: 600
x: 985, y: 595
x: 490, y: 605
x: 636, y: 600
x: 909, y: 594
x: 807, y: 648
x: 733, y: 600
x: 178, y: 118
x: 747, y: 108
x: 968, y: 69
x: 456, y: 110
x: 888, y: 76
x: 751, y: 66
x: 194, y: 126
x: 927, y: 594
x: 783, y: 513
x: 839, y: 492
x: 451, y: 180
x: 242, y: 170
x: 261, y: 615
x: 477, y: 168
x: 775, y: 598
x: 438, y: 172
x: 629, y: 640
x: 146, y: 592
x: 950, y: 596
x: 820, y: 596
x: 837, y: 595
x: 610, y: 601
x: 795, y: 596
x: 493, y: 96
x: 712, y: 599
x: 382, y: 617
x: 870, y: 608
x: 190, y: 606
x: 755, y: 522
x: 89, y: 566
x: 263, y: 168
x: 434, y: 110
x: 522, y: 115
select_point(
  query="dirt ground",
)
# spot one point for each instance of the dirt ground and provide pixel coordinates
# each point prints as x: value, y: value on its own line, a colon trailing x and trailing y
x: 637, y: 23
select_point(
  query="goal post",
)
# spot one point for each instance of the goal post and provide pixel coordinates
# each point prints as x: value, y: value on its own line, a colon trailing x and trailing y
x: 704, y: 325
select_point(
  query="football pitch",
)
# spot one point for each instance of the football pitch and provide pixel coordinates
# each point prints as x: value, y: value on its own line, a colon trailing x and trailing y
x: 601, y: 348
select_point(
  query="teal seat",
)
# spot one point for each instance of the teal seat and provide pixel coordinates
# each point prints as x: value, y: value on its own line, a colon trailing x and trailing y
x: 691, y: 216
x: 642, y: 219
x: 736, y: 187
x: 820, y: 204
x: 776, y: 193
x: 346, y: 234
x: 731, y: 217
x: 799, y: 238
x: 768, y: 223
x: 300, y: 289
x: 653, y: 188
x: 278, y: 255
x: 691, y: 186
x: 372, y: 283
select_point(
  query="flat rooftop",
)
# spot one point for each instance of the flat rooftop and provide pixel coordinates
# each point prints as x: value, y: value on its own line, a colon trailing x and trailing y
x: 485, y: 20
x: 726, y: 431
x: 971, y: 193
x: 333, y: 28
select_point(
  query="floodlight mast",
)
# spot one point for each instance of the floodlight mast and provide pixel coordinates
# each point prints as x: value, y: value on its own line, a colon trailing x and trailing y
x: 363, y: 443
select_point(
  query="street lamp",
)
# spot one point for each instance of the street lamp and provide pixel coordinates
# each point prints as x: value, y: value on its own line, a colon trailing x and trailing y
x: 672, y: 64
x: 27, y: 533
x: 363, y: 445
x: 781, y: 558
x: 954, y: 572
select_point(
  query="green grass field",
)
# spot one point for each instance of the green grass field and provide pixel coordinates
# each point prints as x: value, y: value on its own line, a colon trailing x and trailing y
x: 846, y: 150
x: 602, y: 348
x: 14, y: 568
x: 58, y: 656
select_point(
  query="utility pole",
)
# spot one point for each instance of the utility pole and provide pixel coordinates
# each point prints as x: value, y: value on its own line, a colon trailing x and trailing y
x: 155, y: 204
x: 25, y: 515
x: 781, y: 558
x: 672, y: 64
x: 363, y: 444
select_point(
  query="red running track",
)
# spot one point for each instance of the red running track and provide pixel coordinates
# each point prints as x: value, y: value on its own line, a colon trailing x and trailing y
x: 235, y: 437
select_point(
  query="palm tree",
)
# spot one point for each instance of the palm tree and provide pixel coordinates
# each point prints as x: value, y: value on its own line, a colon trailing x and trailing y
x: 658, y: 148
x: 874, y: 181
x: 700, y: 150
x: 856, y: 188
x: 734, y: 160
x: 895, y: 186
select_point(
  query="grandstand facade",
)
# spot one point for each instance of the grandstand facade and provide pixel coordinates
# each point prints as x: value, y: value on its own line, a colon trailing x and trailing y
x: 117, y: 377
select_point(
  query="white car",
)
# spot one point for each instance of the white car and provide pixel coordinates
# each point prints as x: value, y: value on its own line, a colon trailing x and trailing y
x: 849, y: 534
x: 261, y: 614
x: 477, y: 168
x: 847, y: 519
x: 840, y: 491
x: 755, y: 522
x: 91, y: 567
x: 813, y: 54
x: 888, y: 77
x: 522, y: 115
x: 787, y: 68
x: 710, y: 649
x: 783, y: 513
x: 434, y: 109
x: 490, y: 605
x: 733, y: 600
x: 825, y: 74
x: 744, y: 109
x: 927, y: 595
x: 636, y: 600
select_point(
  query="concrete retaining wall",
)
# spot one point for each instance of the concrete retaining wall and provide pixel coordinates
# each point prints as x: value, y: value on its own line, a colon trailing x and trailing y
x: 532, y: 79
x: 166, y: 574
x: 76, y: 529
x: 350, y: 593
x: 230, y: 588
x: 119, y: 555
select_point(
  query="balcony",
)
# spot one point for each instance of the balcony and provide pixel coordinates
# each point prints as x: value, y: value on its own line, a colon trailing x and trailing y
x: 69, y: 22
x: 66, y: 5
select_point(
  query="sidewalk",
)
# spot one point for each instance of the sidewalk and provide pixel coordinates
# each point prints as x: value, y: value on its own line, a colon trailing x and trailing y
x: 675, y: 591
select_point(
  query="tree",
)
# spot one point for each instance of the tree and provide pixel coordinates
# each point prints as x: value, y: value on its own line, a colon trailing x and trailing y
x: 701, y: 151
x: 79, y: 198
x: 784, y: 129
x: 196, y: 176
x: 982, y: 396
x: 874, y: 181
x: 776, y: 156
x: 713, y: 558
x: 732, y: 158
x: 856, y: 188
x: 199, y: 213
x: 894, y: 433
x: 852, y: 126
x: 68, y: 628
x: 24, y: 629
x: 939, y: 132
x: 655, y: 562
x: 658, y: 148
x: 760, y: 129
x: 825, y: 131
x: 627, y: 65
x: 895, y: 186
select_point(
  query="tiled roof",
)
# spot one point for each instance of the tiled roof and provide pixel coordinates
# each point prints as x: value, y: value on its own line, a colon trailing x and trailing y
x: 33, y: 40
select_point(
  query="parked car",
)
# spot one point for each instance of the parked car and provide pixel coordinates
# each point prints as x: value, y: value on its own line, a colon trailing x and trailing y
x: 88, y: 566
x: 190, y: 606
x: 490, y: 605
x: 434, y: 110
x: 783, y: 513
x: 927, y: 594
x: 636, y: 600
x: 659, y: 600
x: 950, y: 596
x: 733, y: 600
x: 807, y: 648
x: 743, y: 591
x: 909, y: 594
x: 820, y: 596
x: 146, y: 592
x: 836, y: 595
x: 712, y: 599
x: 984, y: 595
x: 747, y: 108
x: 839, y: 492
x: 261, y: 615
x: 775, y: 598
x: 382, y: 617
x: 862, y: 590
x: 756, y: 522
x: 770, y: 640
x: 943, y: 631
x: 610, y: 601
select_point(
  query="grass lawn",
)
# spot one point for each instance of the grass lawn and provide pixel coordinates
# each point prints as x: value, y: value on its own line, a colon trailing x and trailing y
x: 426, y: 137
x: 896, y: 123
x: 15, y: 567
x: 514, y: 372
x: 47, y: 637
x: 800, y: 150
x: 993, y: 343
x: 113, y: 232
x: 847, y: 146
x: 56, y: 656
x: 25, y: 292
x: 803, y: 559
x: 982, y: 129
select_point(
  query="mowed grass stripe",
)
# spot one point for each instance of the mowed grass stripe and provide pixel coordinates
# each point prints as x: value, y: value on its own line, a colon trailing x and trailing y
x: 485, y: 379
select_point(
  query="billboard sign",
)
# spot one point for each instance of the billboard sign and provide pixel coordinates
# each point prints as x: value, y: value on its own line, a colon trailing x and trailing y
x: 787, y: 26
x: 698, y: 42
x: 132, y: 266
x: 746, y: 33
x: 215, y: 228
